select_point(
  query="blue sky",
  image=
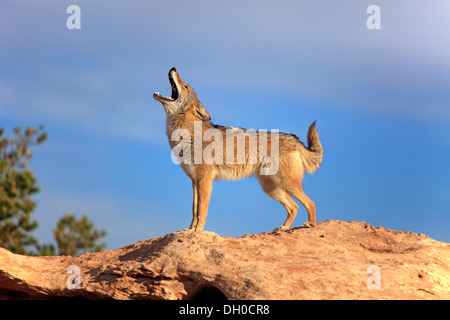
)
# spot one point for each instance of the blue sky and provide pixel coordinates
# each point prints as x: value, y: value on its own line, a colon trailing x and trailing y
x: 381, y: 99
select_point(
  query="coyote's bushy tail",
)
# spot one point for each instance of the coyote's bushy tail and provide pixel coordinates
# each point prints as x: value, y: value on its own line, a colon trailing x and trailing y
x: 313, y: 153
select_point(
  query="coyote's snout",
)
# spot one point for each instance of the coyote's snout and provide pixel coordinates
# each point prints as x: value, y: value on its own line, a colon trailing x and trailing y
x: 209, y: 152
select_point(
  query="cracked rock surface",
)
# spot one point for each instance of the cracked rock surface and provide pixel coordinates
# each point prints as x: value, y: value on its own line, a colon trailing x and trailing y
x: 330, y: 261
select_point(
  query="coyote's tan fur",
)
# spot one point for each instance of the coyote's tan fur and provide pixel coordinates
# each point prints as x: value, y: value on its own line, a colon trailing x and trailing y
x: 183, y: 110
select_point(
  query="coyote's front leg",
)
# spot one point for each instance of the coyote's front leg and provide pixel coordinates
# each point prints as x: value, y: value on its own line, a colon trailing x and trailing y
x: 194, y: 205
x: 202, y: 193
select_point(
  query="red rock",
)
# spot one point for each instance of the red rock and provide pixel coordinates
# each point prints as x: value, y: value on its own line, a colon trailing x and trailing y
x: 329, y: 261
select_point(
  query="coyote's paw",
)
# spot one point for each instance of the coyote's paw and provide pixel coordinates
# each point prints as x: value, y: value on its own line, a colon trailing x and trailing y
x: 309, y: 224
x: 281, y: 228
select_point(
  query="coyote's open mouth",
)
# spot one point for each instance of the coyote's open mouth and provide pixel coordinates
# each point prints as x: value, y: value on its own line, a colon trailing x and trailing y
x: 174, y: 96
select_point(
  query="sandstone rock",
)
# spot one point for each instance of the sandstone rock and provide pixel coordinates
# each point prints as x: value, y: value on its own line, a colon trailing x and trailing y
x: 330, y: 261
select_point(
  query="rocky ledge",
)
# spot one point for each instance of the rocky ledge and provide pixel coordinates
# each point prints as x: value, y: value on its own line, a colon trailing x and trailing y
x: 334, y: 260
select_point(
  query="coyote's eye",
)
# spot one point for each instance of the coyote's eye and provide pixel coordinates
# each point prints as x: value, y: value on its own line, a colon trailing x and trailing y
x: 186, y: 87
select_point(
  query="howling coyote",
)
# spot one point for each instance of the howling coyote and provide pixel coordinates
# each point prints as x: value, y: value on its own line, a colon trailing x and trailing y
x: 207, y: 152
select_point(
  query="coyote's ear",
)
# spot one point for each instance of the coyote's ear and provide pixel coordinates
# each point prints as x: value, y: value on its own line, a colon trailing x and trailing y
x: 201, y: 113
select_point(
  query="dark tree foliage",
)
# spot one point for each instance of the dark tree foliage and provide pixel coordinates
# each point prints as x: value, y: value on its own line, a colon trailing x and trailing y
x: 76, y: 236
x: 17, y: 185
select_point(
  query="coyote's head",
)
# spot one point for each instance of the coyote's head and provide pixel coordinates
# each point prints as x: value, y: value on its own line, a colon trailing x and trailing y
x: 182, y: 99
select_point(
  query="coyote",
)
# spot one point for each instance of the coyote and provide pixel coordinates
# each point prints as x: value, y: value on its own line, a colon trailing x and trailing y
x: 202, y: 158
